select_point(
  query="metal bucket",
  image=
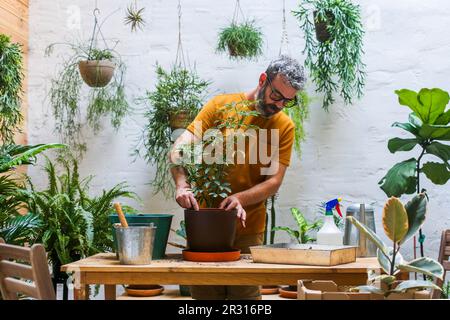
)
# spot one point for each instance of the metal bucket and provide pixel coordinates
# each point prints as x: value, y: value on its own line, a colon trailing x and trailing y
x: 365, y: 214
x: 135, y: 243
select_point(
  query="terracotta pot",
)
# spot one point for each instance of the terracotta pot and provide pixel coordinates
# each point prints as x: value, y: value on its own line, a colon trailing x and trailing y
x: 322, y: 33
x: 179, y: 120
x: 210, y: 230
x: 224, y: 256
x: 149, y: 290
x: 96, y: 73
x: 232, y: 50
x: 289, y: 292
x: 270, y: 289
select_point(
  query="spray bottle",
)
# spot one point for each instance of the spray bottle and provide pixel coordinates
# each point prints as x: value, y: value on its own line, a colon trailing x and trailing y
x: 330, y: 234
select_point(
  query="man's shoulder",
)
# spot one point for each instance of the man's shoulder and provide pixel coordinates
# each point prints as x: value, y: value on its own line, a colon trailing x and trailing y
x: 224, y: 98
x: 283, y: 121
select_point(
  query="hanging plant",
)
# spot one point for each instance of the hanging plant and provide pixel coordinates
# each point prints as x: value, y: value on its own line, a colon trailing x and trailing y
x: 178, y: 92
x: 241, y: 40
x: 103, y: 71
x: 134, y: 17
x: 11, y: 76
x: 333, y: 46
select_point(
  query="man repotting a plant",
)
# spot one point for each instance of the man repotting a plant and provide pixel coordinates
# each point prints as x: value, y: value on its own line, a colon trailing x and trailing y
x: 248, y: 183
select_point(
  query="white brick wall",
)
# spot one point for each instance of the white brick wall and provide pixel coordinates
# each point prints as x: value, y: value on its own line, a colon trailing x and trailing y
x: 345, y: 154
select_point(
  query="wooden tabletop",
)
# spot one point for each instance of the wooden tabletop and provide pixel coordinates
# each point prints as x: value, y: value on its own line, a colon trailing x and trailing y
x: 107, y: 262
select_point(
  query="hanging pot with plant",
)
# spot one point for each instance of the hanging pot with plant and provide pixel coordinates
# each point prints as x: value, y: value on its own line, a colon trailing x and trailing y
x: 333, y: 33
x: 98, y: 70
x: 241, y: 39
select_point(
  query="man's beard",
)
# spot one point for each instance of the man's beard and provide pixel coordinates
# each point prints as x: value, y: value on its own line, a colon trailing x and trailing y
x: 266, y: 110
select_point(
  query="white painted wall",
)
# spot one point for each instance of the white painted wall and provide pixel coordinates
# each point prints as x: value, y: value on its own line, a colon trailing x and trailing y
x: 345, y: 154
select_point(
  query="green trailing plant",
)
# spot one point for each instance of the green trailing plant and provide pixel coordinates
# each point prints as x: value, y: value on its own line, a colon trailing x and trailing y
x: 177, y: 91
x: 335, y: 64
x: 67, y: 95
x: 208, y: 178
x: 429, y: 125
x: 11, y: 77
x: 73, y: 223
x: 301, y: 235
x: 241, y: 40
x: 400, y: 223
x: 134, y: 17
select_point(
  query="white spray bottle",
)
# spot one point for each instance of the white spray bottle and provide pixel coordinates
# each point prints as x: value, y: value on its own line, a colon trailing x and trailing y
x: 330, y: 234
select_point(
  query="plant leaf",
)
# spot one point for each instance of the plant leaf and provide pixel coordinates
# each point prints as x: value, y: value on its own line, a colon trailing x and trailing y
x: 398, y: 144
x: 424, y: 265
x: 416, y: 209
x: 400, y: 179
x: 369, y: 233
x: 444, y: 119
x: 433, y: 102
x: 440, y: 150
x: 435, y: 132
x: 385, y: 262
x: 408, y: 127
x: 414, y: 284
x: 438, y: 173
x: 369, y: 289
x: 395, y: 220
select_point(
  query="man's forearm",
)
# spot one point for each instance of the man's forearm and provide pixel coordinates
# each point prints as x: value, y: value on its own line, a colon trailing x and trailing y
x: 258, y: 193
x: 179, y: 177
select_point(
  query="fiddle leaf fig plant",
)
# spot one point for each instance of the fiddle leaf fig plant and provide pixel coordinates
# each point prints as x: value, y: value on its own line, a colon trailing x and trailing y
x: 335, y: 60
x: 400, y: 222
x: 304, y: 227
x: 429, y: 126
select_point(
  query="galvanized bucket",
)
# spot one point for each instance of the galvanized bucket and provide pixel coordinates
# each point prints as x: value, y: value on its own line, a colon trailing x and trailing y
x: 135, y: 243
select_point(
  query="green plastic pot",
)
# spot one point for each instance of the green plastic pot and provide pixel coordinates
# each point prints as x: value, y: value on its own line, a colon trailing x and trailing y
x: 162, y: 223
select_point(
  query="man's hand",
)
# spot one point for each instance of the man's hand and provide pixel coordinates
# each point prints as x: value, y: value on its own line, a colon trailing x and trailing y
x: 186, y: 199
x: 233, y: 202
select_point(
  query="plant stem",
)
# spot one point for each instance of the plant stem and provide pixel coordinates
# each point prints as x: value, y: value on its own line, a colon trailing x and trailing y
x: 272, y: 220
x: 418, y: 191
x: 394, y: 253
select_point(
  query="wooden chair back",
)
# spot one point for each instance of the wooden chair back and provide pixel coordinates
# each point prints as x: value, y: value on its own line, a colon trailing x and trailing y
x: 19, y: 264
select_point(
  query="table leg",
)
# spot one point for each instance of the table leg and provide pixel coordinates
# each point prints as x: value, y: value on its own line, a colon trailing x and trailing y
x: 81, y: 293
x: 110, y: 292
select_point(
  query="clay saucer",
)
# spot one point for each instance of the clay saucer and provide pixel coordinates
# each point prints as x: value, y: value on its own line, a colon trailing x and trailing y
x: 149, y: 290
x: 211, y: 256
x: 286, y: 293
x: 270, y: 289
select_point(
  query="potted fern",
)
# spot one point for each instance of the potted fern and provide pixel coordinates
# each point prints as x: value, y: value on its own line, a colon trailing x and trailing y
x: 333, y: 35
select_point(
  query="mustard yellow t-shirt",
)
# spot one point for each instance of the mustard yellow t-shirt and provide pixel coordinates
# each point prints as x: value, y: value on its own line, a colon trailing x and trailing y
x: 244, y: 176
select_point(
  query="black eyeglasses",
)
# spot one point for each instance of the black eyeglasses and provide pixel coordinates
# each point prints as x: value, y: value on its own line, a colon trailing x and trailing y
x: 275, y: 95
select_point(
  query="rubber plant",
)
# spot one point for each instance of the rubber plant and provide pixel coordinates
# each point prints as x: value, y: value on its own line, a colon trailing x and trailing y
x: 178, y: 95
x: 333, y: 35
x: 11, y: 76
x: 428, y: 123
x: 400, y: 223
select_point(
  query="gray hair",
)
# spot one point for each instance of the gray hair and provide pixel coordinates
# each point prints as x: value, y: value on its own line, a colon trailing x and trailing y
x: 291, y: 70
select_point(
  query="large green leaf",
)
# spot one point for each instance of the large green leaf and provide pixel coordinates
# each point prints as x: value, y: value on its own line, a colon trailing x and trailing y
x: 370, y: 234
x: 435, y: 132
x: 409, y: 98
x: 395, y: 220
x: 293, y: 233
x: 398, y: 144
x: 424, y: 265
x: 438, y: 173
x: 414, y: 284
x: 400, y: 179
x: 440, y: 150
x: 444, y: 119
x: 408, y: 127
x: 416, y: 209
x: 434, y: 102
x: 299, y: 218
x: 385, y: 261
x: 414, y: 120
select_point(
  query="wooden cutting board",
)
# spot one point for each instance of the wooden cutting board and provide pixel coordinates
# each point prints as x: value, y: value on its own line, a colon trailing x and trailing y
x: 306, y: 254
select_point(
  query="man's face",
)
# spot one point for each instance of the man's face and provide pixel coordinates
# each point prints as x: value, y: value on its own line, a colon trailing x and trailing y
x: 273, y: 95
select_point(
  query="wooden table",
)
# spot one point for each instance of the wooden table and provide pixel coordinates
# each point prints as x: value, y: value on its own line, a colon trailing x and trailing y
x: 105, y: 269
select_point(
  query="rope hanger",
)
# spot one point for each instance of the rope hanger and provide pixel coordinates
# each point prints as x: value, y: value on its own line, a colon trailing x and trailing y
x: 284, y: 33
x: 97, y: 29
x: 180, y: 59
x: 237, y: 10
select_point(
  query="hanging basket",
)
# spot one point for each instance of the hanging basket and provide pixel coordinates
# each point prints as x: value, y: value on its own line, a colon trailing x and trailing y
x: 322, y: 34
x: 96, y: 73
x: 179, y: 120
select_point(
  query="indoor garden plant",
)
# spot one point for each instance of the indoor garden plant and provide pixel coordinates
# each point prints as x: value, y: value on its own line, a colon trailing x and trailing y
x: 176, y: 100
x: 301, y: 235
x: 208, y: 179
x: 11, y: 76
x: 400, y: 223
x: 334, y: 50
x: 429, y: 125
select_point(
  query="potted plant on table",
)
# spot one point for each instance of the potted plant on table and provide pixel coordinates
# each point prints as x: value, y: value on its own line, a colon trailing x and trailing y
x: 400, y: 223
x: 207, y: 179
x: 334, y: 47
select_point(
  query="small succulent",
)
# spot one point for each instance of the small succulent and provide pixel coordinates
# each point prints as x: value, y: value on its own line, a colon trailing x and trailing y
x: 135, y: 17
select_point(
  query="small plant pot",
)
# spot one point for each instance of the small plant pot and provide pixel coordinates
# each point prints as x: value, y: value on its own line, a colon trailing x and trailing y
x: 223, y: 256
x: 233, y: 51
x: 210, y: 230
x: 322, y: 33
x: 179, y: 120
x: 96, y: 73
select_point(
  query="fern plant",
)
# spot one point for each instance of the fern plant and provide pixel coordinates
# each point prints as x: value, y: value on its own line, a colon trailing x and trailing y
x: 335, y: 64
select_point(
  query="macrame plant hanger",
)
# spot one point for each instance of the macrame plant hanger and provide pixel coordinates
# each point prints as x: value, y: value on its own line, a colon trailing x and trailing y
x: 96, y: 31
x: 284, y: 34
x: 237, y: 11
x: 180, y: 60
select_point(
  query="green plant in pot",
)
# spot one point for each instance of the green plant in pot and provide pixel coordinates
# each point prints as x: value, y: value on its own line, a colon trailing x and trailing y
x: 11, y: 76
x: 333, y: 34
x: 176, y: 100
x: 400, y: 223
x: 241, y: 40
x: 207, y: 179
x: 428, y: 123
